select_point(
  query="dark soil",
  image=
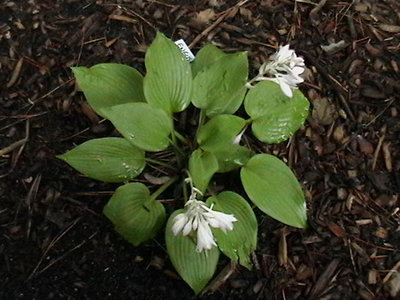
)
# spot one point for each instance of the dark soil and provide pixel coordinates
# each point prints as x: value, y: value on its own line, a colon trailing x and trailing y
x: 56, y: 244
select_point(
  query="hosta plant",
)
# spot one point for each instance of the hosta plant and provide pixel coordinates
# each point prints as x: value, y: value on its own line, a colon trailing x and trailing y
x: 191, y: 147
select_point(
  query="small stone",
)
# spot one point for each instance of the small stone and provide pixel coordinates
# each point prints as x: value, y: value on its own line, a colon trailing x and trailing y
x: 381, y: 233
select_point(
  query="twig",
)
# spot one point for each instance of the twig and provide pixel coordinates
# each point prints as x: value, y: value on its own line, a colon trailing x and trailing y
x: 16, y: 155
x: 52, y: 243
x: 314, y: 12
x: 52, y: 91
x: 66, y: 254
x: 29, y: 197
x: 80, y: 132
x: 215, y: 24
x: 12, y: 146
x: 221, y: 278
x: 335, y: 84
x: 390, y: 273
x: 377, y: 150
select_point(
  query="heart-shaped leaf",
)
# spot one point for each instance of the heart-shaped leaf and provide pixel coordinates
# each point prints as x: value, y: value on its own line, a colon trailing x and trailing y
x: 196, y: 268
x: 109, y: 84
x: 273, y: 187
x: 220, y: 88
x: 202, y: 166
x: 275, y: 116
x: 143, y: 125
x: 107, y: 159
x: 206, y: 57
x: 168, y: 82
x: 238, y: 243
x: 135, y: 217
x: 220, y: 132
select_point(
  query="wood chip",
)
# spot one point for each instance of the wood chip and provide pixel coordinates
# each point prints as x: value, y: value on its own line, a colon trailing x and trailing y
x: 336, y: 229
x: 110, y: 43
x: 123, y: 18
x: 334, y: 47
x: 363, y: 222
x: 389, y: 28
x: 323, y: 281
x: 365, y: 146
x: 388, y: 156
x: 360, y: 251
x: 339, y: 134
x: 394, y: 285
x: 372, y: 276
x: 15, y: 74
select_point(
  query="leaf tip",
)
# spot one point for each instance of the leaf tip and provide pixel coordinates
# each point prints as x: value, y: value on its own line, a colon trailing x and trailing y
x: 62, y: 157
x: 78, y: 70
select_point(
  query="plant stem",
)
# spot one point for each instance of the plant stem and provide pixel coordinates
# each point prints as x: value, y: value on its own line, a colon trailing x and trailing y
x: 161, y: 189
x: 249, y: 83
x: 185, y: 193
x: 202, y: 118
x: 249, y: 121
x: 178, y: 152
x: 161, y: 163
x: 181, y: 137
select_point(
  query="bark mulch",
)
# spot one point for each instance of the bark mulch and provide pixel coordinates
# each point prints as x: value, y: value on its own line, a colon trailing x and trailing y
x: 56, y: 244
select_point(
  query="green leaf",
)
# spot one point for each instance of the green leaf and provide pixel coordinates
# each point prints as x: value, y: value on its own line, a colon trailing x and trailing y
x: 196, y: 268
x: 238, y: 243
x: 143, y: 125
x: 220, y: 88
x: 107, y: 159
x: 202, y: 166
x: 220, y: 132
x: 135, y: 217
x: 232, y: 158
x: 105, y: 85
x: 206, y: 57
x: 273, y: 187
x: 168, y: 82
x: 275, y: 116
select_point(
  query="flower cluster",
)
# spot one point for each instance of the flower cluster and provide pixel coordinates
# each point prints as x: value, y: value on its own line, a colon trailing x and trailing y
x: 283, y: 68
x: 199, y: 217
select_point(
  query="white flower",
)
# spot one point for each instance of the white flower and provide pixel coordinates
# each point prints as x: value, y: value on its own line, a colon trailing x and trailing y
x: 198, y: 217
x: 283, y: 68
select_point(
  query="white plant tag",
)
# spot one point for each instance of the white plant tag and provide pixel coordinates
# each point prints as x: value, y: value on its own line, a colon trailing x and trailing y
x: 185, y: 50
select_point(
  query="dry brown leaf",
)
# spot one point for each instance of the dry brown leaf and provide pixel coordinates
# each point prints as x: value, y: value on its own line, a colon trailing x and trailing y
x: 204, y: 17
x: 324, y: 112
